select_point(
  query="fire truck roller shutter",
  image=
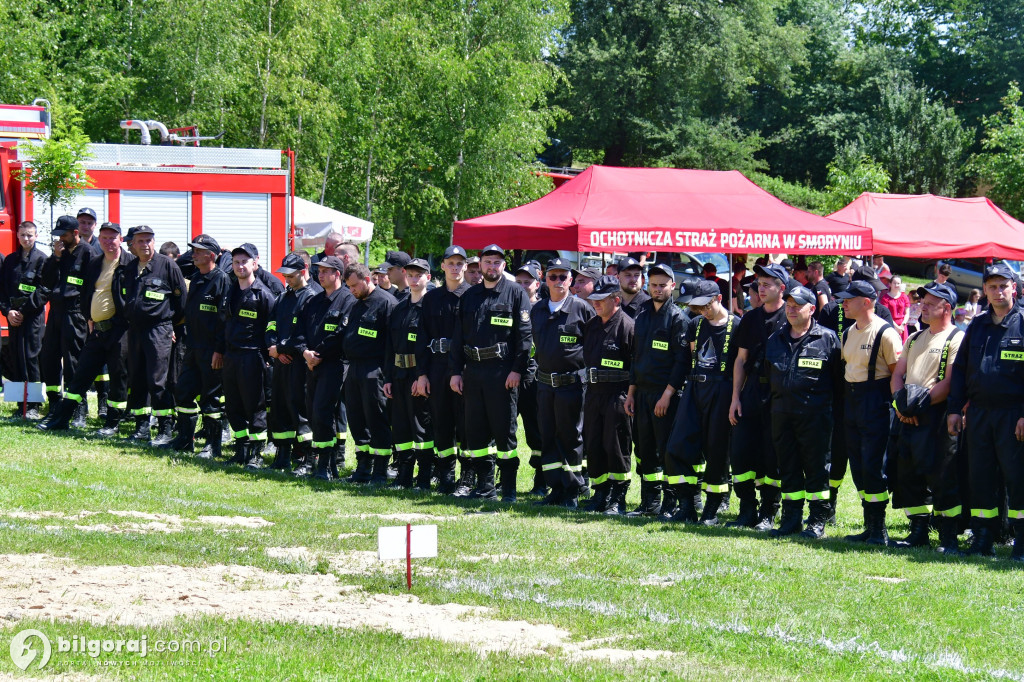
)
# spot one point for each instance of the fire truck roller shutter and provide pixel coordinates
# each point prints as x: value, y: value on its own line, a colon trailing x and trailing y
x: 168, y: 213
x: 236, y: 218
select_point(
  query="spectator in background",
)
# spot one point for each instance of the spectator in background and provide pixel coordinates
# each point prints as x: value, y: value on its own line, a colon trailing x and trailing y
x: 739, y: 273
x: 839, y: 279
x: 170, y: 249
x: 787, y: 263
x: 973, y: 305
x: 752, y: 294
x: 711, y: 272
x: 474, y: 275
x: 897, y: 301
x: 612, y: 269
x: 800, y: 274
x: 914, y: 314
x: 882, y: 270
x: 960, y: 318
x: 942, y: 273
x: 816, y: 283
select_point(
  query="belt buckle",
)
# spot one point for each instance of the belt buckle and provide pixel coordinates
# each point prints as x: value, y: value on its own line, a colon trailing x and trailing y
x: 556, y: 380
x: 591, y: 375
x: 701, y: 378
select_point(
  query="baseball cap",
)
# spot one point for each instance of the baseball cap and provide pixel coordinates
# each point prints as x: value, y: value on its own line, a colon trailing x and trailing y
x: 859, y: 288
x: 381, y: 269
x: 943, y: 291
x: 205, y: 242
x: 129, y: 234
x: 660, y: 269
x: 332, y: 262
x: 704, y: 292
x: 801, y: 294
x: 116, y: 227
x: 397, y: 259
x: 786, y: 264
x: 592, y: 273
x: 475, y: 260
x: 248, y: 249
x: 866, y: 273
x: 627, y: 263
x: 454, y: 250
x: 605, y: 286
x: 291, y: 264
x: 87, y: 211
x: 559, y: 264
x: 685, y: 293
x: 146, y: 229
x: 65, y: 223
x: 772, y: 270
x: 998, y: 270
x: 493, y: 248
x: 418, y: 264
x: 530, y: 269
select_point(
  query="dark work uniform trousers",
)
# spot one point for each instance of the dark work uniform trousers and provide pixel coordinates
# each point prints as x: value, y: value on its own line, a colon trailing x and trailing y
x: 107, y: 348
x: 802, y: 442
x: 698, y: 446
x: 287, y: 418
x: 607, y: 432
x: 244, y: 400
x: 367, y: 409
x: 754, y: 462
x: 447, y: 418
x: 839, y: 459
x: 527, y: 407
x: 410, y: 420
x: 323, y: 393
x: 651, y: 433
x: 63, y: 341
x: 199, y: 387
x: 149, y: 356
x: 176, y: 361
x: 560, y: 420
x: 927, y: 470
x: 26, y: 343
x: 341, y: 414
x: 490, y: 411
x: 867, y: 437
x: 995, y: 458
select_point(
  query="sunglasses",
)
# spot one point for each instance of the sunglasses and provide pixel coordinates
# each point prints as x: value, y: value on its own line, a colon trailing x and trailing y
x: 557, y: 278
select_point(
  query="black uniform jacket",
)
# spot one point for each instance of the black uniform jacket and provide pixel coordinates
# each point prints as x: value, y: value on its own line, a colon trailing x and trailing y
x: 490, y: 316
x: 157, y: 294
x: 609, y: 346
x: 21, y: 283
x: 322, y: 323
x: 558, y: 337
x: 206, y: 309
x: 248, y: 315
x: 804, y: 374
x: 402, y: 336
x: 989, y: 367
x: 283, y: 325
x: 437, y: 321
x: 365, y: 333
x: 65, y: 277
x: 662, y: 356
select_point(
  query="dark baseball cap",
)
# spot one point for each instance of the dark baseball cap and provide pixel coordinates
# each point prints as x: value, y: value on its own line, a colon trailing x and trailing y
x: 801, y: 295
x: 205, y: 242
x: 291, y: 264
x: 116, y: 227
x: 943, y: 291
x: 605, y: 286
x: 332, y: 262
x: 592, y: 273
x: 786, y: 263
x: 145, y: 229
x: 87, y: 211
x: 129, y: 234
x: 246, y: 248
x: 397, y: 259
x: 866, y: 273
x: 661, y: 269
x: 627, y: 263
x: 475, y: 260
x: 859, y: 288
x: 65, y: 223
x: 559, y: 264
x: 685, y: 293
x: 704, y: 292
x: 530, y: 269
x: 418, y: 264
x: 381, y: 269
x: 454, y: 250
x: 493, y: 248
x: 772, y: 270
x: 999, y: 270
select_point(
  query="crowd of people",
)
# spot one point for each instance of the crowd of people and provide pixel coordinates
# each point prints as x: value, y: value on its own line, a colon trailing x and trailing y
x: 766, y: 388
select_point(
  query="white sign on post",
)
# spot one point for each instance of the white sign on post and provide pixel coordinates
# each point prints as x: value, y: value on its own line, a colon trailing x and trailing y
x: 14, y: 392
x: 391, y: 542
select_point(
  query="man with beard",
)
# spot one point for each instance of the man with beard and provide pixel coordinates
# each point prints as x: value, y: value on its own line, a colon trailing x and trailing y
x: 631, y: 282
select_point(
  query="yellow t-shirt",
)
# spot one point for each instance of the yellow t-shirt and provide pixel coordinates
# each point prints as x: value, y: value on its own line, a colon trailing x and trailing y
x: 102, y: 300
x: 925, y: 355
x: 857, y: 351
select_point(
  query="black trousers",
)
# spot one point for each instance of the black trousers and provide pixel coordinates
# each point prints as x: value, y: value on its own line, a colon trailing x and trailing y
x: 490, y: 410
x: 109, y: 348
x: 995, y: 458
x: 367, y: 408
x: 652, y: 433
x: 323, y: 394
x: 927, y: 469
x: 867, y: 437
x: 446, y: 413
x: 754, y: 462
x: 839, y: 458
x: 244, y: 399
x: 526, y: 405
x: 149, y: 357
x: 176, y: 362
x: 199, y: 388
x: 25, y: 343
x: 699, y: 442
x: 607, y: 432
x: 411, y: 428
x: 560, y: 420
x: 287, y: 418
x: 63, y: 341
x: 802, y: 444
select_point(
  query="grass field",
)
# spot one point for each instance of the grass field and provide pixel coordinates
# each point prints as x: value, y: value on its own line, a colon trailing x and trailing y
x: 102, y: 540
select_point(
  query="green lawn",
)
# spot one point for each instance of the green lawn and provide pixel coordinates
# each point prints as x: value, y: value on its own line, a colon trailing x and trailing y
x: 727, y: 604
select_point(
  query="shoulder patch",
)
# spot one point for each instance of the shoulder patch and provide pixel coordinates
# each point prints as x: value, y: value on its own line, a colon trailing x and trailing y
x: 524, y: 315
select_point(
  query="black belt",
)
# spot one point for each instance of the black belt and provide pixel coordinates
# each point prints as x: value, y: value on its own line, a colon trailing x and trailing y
x: 405, y: 361
x: 861, y: 386
x: 556, y: 379
x: 440, y: 346
x: 707, y: 378
x: 103, y: 325
x: 497, y: 351
x: 594, y: 375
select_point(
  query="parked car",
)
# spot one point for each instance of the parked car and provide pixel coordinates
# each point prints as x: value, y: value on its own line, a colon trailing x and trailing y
x: 689, y: 267
x: 967, y: 274
x: 588, y: 260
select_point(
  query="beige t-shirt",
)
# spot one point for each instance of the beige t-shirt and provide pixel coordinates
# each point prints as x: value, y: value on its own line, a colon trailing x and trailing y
x: 925, y: 355
x: 857, y: 351
x: 102, y: 300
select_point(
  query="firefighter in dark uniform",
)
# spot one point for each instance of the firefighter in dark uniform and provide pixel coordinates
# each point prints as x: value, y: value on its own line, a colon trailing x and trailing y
x: 927, y: 471
x: 752, y: 454
x: 557, y: 324
x: 66, y: 329
x: 988, y: 379
x: 103, y: 296
x: 698, y: 446
x: 249, y: 309
x: 607, y: 429
x: 155, y: 301
x: 631, y: 280
x: 871, y: 349
x: 528, y: 276
x: 410, y: 412
x: 287, y: 421
x: 659, y: 366
x: 433, y: 345
x: 492, y: 348
x: 804, y: 371
x: 364, y: 344
x: 23, y: 302
x: 322, y: 324
x: 199, y: 388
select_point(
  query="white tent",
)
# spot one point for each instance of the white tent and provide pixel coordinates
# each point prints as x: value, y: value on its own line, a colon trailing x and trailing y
x: 314, y: 222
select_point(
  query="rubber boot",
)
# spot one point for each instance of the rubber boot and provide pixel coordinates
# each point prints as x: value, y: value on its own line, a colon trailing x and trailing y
x: 141, y: 433
x: 712, y: 508
x: 307, y: 465
x: 816, y: 520
x: 164, y: 432
x: 379, y: 472
x: 323, y: 463
x: 81, y: 413
x: 1017, y: 553
x: 254, y: 460
x: 616, y: 503
x: 406, y: 465
x: 283, y: 458
x: 650, y: 500
x: 509, y: 472
x: 949, y: 529
x: 425, y: 469
x: 792, y: 519
x: 364, y: 464
x: 444, y: 469
x: 600, y: 499
x: 771, y: 498
x: 877, y: 533
x: 484, y: 469
x: 747, y: 517
x: 918, y: 536
x: 241, y: 455
x: 112, y: 423
x: 685, y: 511
x: 62, y: 416
x: 981, y: 543
x: 540, y: 486
x: 185, y: 439
x: 863, y: 535
x: 467, y: 478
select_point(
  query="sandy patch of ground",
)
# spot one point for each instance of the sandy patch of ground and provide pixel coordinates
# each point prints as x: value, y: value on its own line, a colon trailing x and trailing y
x: 347, y: 563
x: 148, y: 522
x: 886, y: 579
x: 495, y: 558
x: 402, y: 518
x: 62, y: 677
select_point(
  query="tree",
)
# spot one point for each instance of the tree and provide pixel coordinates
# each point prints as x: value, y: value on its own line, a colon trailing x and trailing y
x: 852, y: 174
x: 1001, y: 164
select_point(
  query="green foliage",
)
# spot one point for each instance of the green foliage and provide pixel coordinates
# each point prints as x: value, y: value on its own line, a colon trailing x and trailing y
x: 851, y: 175
x: 1001, y: 165
x: 801, y: 196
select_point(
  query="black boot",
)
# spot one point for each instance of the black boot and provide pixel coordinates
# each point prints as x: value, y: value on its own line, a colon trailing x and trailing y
x: 556, y: 495
x: 406, y: 466
x: 254, y: 460
x: 379, y: 472
x: 863, y: 535
x: 62, y: 416
x: 185, y: 439
x: 598, y: 502
x: 509, y: 473
x: 918, y: 536
x: 792, y: 519
x: 712, y: 507
x: 616, y: 503
x: 771, y: 498
x: 747, y: 517
x: 164, y: 432
x: 307, y: 465
x: 877, y: 533
x: 213, y: 437
x: 337, y: 458
x: 540, y: 487
x: 283, y: 458
x: 111, y: 424
x: 1017, y: 553
x: 364, y: 465
x: 981, y: 544
x: 816, y: 520
x: 669, y: 501
x: 323, y: 463
x: 833, y: 502
x: 53, y: 402
x: 141, y: 433
x: 650, y: 500
x: 948, y: 542
x: 467, y: 478
x: 723, y: 506
x: 484, y: 470
x: 425, y: 469
x: 685, y: 511
x: 81, y: 413
x: 444, y: 469
x: 241, y: 455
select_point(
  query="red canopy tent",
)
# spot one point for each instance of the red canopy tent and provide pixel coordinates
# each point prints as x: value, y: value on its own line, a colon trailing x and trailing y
x: 927, y: 226
x: 662, y: 209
